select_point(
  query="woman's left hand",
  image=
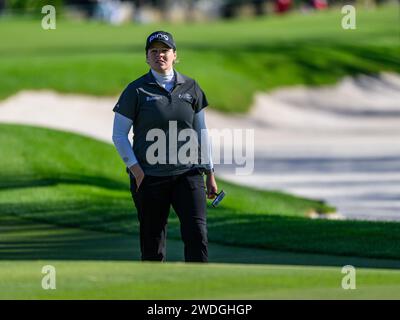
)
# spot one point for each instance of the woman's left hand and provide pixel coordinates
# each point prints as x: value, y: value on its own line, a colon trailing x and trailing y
x: 211, y: 185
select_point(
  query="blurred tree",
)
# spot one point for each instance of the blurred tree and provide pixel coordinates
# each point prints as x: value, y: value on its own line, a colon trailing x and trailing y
x: 31, y: 6
x: 85, y: 6
x: 259, y: 7
x: 231, y: 8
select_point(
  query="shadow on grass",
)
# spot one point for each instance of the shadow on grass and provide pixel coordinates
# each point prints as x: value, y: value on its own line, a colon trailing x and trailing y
x: 285, y: 63
x: 24, y: 239
x: 259, y: 231
x: 28, y: 181
x: 84, y: 223
x: 314, y: 58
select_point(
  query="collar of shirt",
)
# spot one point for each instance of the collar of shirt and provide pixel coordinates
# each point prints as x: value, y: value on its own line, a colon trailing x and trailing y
x: 166, y: 81
x: 150, y: 79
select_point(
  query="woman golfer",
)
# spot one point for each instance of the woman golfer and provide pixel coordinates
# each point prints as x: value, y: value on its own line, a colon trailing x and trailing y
x: 170, y: 153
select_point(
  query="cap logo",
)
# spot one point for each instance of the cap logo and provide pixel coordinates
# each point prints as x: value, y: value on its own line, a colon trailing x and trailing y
x: 158, y: 36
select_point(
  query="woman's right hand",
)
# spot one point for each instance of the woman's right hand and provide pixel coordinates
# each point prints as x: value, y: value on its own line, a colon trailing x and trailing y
x: 138, y: 173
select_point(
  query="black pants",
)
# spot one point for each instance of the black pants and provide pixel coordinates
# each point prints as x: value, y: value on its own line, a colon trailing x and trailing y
x: 186, y: 193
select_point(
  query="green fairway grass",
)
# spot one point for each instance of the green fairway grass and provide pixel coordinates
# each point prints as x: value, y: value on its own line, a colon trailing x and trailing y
x: 230, y: 59
x: 48, y: 176
x: 130, y: 280
x: 23, y: 239
x: 93, y: 265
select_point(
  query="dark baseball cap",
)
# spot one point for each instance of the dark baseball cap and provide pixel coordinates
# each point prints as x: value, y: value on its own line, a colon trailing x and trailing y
x: 161, y: 36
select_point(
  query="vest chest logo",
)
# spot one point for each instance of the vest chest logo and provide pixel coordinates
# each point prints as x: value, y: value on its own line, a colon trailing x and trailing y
x: 186, y: 96
x: 151, y: 98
